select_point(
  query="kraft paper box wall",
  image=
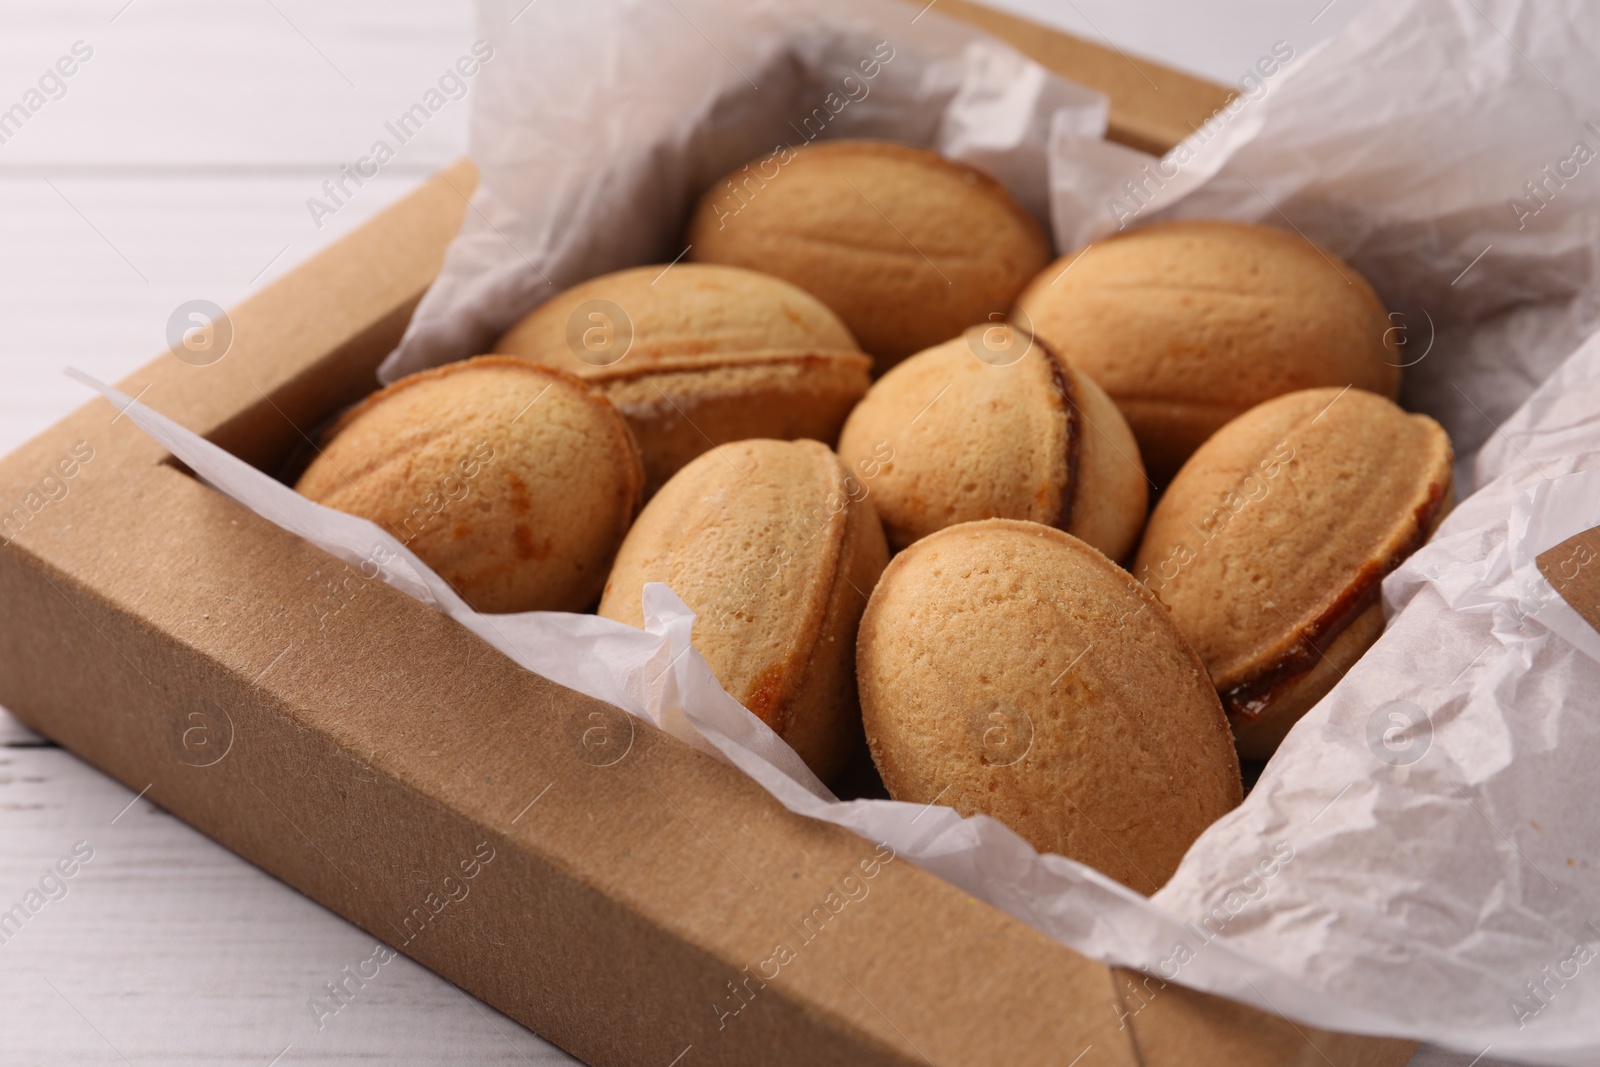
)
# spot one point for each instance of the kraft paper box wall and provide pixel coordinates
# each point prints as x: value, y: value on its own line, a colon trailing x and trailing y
x: 371, y: 749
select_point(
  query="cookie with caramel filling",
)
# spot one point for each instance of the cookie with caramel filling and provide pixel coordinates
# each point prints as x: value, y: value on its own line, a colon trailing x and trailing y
x: 994, y: 425
x: 1270, y: 545
x: 697, y: 355
x: 775, y: 547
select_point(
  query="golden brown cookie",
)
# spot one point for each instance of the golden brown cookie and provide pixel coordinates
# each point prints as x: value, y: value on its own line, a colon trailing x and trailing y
x: 696, y: 355
x: 515, y: 483
x: 994, y: 425
x: 1007, y: 668
x: 775, y: 547
x: 1189, y: 324
x: 908, y: 247
x: 1270, y: 544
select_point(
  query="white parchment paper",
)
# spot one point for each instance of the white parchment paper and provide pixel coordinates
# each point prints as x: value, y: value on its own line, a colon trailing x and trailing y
x: 596, y: 127
x: 1420, y: 858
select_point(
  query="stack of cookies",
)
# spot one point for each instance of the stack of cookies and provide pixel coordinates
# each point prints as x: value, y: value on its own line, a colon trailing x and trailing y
x: 1139, y: 500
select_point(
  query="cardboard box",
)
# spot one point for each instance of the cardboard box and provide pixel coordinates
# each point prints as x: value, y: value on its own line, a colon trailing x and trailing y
x: 660, y: 909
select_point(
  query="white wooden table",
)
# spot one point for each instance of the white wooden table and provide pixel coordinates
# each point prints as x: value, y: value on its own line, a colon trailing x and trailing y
x: 175, y: 164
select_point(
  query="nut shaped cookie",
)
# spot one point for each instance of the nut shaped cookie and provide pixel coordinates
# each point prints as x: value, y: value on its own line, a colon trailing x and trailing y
x: 994, y: 425
x: 1189, y: 324
x: 1270, y: 545
x: 1007, y: 668
x: 515, y: 483
x: 775, y: 547
x: 909, y: 248
x: 695, y: 355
